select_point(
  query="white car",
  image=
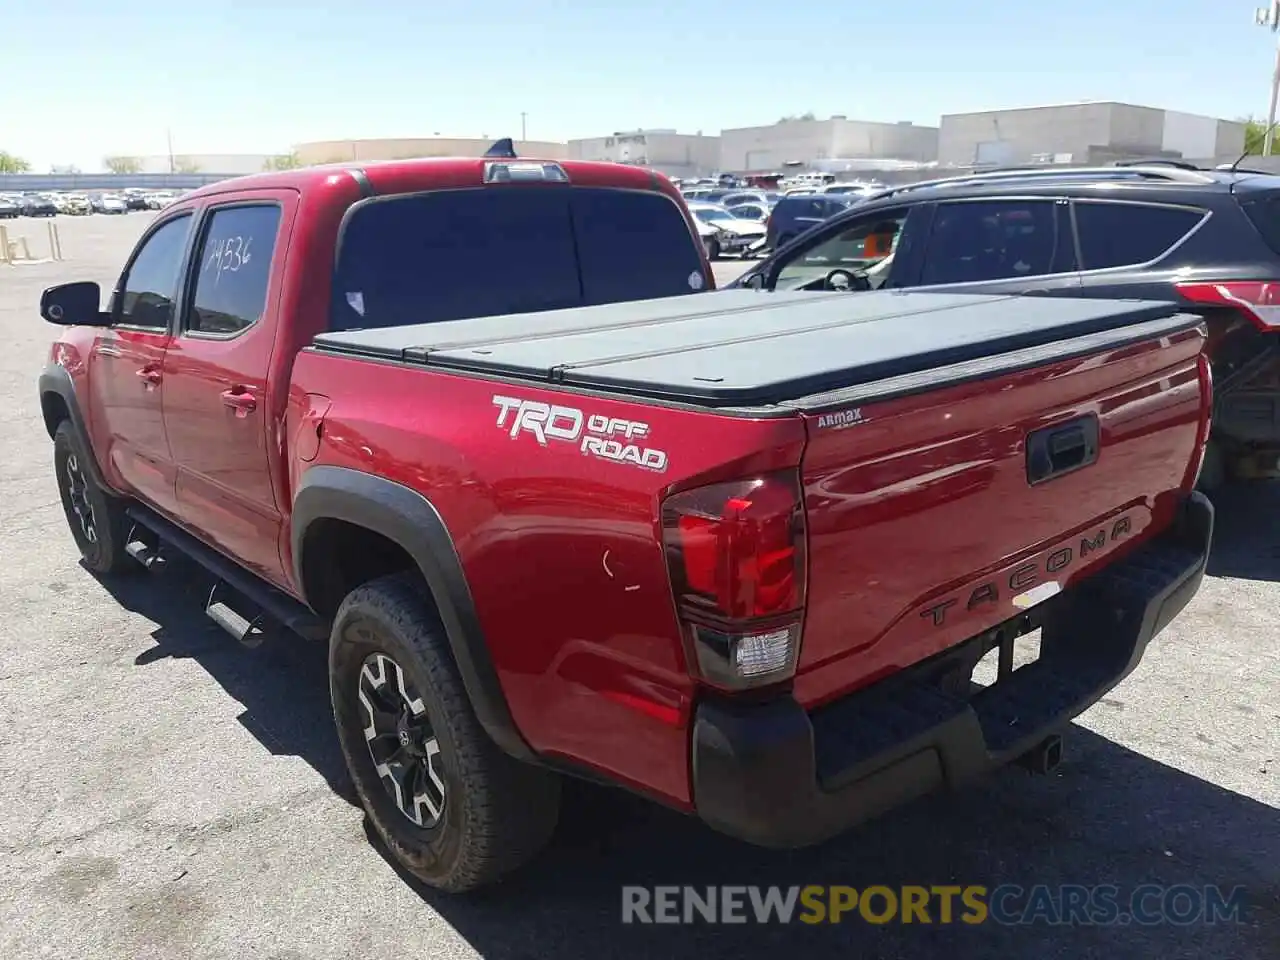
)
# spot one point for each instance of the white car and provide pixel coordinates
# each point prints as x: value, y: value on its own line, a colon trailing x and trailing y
x: 110, y: 203
x: 722, y: 232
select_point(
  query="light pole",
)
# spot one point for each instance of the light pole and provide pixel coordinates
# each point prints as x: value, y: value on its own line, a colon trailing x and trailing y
x: 1269, y: 16
x: 523, y: 115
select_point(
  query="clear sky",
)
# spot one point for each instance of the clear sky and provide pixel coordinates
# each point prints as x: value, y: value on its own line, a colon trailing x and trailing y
x: 89, y: 78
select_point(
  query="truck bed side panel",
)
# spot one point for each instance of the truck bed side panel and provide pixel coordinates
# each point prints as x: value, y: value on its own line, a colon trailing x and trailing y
x: 560, y: 547
x: 923, y: 525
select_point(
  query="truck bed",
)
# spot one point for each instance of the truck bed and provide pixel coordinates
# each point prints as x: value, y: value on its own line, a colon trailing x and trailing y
x: 737, y: 348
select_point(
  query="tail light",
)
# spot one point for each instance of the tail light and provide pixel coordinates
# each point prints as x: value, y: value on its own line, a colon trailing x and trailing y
x: 1259, y: 300
x: 736, y: 556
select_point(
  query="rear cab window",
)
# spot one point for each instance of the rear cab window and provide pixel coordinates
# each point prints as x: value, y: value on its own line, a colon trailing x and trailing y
x: 452, y: 254
x: 1113, y: 234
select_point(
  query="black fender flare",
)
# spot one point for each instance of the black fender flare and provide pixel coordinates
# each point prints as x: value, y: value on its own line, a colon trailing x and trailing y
x: 56, y: 381
x: 407, y: 518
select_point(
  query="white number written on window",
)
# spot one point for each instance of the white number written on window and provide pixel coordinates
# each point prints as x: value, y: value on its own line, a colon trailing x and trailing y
x: 227, y: 255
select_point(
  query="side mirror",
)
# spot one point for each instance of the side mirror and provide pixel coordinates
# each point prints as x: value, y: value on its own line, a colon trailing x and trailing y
x: 755, y: 282
x: 74, y: 304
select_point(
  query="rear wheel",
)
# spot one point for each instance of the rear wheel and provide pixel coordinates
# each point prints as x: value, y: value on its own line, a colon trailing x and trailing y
x: 97, y: 519
x: 451, y: 808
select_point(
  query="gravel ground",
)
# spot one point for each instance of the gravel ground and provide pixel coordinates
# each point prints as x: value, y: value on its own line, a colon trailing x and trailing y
x: 168, y: 794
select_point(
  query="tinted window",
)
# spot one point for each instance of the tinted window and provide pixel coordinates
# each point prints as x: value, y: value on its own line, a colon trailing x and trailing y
x: 991, y: 240
x: 1122, y: 234
x: 472, y: 253
x: 235, y: 264
x: 152, y: 280
x: 1265, y: 216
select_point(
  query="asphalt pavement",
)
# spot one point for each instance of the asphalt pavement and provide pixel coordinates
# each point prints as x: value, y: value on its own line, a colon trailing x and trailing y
x: 166, y: 793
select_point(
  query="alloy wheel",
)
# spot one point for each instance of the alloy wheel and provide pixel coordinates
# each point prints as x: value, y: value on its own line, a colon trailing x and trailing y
x: 78, y: 493
x: 402, y: 745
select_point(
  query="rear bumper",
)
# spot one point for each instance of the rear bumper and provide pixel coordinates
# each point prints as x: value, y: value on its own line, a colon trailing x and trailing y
x: 776, y: 775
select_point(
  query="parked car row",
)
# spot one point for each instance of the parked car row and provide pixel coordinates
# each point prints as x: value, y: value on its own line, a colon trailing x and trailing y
x: 51, y: 203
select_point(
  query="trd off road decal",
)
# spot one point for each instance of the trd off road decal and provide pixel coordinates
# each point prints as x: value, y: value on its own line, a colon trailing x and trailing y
x: 608, y: 438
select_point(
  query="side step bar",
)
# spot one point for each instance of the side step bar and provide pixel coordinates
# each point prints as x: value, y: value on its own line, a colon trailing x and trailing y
x: 274, y: 603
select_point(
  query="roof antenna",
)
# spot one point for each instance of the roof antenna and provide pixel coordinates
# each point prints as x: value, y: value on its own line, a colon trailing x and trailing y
x: 502, y: 148
x: 1240, y: 159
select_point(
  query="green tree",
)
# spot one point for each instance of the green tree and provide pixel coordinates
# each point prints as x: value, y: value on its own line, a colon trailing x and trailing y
x: 13, y: 164
x: 1255, y: 134
x: 122, y: 164
x: 283, y: 161
x: 807, y: 115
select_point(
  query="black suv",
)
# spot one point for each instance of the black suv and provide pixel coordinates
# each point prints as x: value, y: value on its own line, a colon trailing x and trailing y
x: 793, y: 215
x: 1207, y: 238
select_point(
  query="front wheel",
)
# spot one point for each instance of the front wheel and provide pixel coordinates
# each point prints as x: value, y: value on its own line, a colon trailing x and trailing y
x: 450, y: 806
x: 96, y: 518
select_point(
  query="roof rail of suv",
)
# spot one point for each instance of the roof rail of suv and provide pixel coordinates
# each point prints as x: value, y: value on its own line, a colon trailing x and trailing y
x: 1145, y: 171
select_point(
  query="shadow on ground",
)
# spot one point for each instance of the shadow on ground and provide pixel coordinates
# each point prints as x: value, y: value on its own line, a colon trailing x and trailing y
x: 283, y: 684
x: 1246, y: 534
x: 1107, y: 816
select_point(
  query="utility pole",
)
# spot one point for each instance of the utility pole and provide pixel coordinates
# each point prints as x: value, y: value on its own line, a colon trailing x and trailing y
x: 1269, y: 16
x: 523, y: 114
x: 168, y: 136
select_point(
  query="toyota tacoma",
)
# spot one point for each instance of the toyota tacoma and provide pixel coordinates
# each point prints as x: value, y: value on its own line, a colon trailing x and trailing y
x: 558, y: 507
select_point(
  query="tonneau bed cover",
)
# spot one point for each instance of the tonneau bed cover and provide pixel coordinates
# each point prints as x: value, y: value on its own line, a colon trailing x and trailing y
x: 745, y: 348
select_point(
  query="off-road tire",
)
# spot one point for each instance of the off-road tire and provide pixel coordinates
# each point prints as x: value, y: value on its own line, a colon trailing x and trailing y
x: 103, y: 552
x: 498, y: 812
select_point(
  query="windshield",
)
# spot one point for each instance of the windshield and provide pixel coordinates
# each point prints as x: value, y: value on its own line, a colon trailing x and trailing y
x: 482, y: 252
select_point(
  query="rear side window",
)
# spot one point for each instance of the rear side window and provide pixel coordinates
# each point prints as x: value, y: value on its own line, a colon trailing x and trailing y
x: 453, y: 254
x: 234, y: 267
x: 1264, y: 213
x: 1125, y: 234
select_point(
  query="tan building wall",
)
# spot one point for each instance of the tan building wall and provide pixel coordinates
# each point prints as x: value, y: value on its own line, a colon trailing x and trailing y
x: 675, y: 154
x: 336, y: 151
x: 233, y: 163
x: 804, y: 141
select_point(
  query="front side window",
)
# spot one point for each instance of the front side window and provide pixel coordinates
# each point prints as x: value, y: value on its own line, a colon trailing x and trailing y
x: 152, y: 281
x: 865, y: 245
x: 452, y: 254
x: 234, y: 268
x: 991, y: 240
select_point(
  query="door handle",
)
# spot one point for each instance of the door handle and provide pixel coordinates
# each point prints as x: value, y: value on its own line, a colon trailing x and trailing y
x: 149, y: 376
x: 241, y: 401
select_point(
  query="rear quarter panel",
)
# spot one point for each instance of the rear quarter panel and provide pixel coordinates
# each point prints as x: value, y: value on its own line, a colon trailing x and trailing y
x: 562, y: 550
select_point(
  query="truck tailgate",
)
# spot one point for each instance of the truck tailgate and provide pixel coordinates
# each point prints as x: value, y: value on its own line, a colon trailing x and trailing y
x: 925, y: 525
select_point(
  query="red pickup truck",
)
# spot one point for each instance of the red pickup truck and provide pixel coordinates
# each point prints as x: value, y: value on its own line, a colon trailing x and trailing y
x: 559, y: 508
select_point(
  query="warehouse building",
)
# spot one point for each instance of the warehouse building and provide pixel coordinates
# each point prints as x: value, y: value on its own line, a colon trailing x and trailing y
x: 216, y: 163
x: 1083, y: 133
x: 671, y: 153
x: 341, y: 151
x: 801, y: 142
